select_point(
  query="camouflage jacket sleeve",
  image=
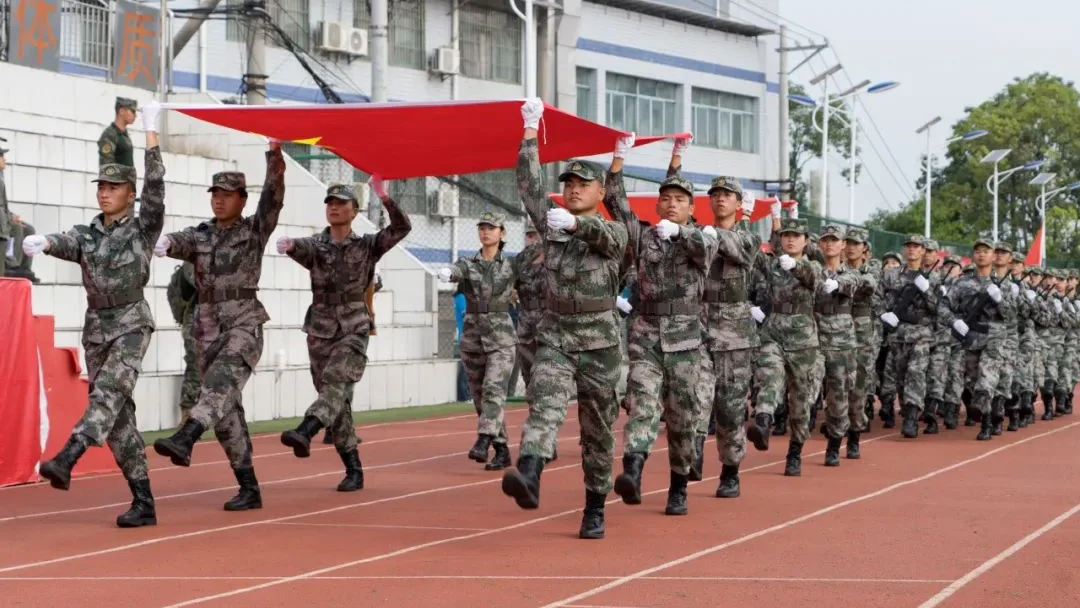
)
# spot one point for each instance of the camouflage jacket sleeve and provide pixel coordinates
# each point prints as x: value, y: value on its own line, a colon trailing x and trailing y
x: 759, y: 284
x: 531, y: 185
x: 868, y: 282
x: 618, y: 205
x: 459, y: 270
x: 700, y: 248
x: 152, y: 203
x: 739, y: 246
x: 304, y: 252
x: 1010, y: 304
x: 272, y: 198
x: 398, y: 228
x: 66, y: 246
x: 106, y: 145
x: 603, y: 237
x: 5, y: 214
x: 808, y: 273
x: 182, y: 244
x: 848, y: 282
x: 948, y: 309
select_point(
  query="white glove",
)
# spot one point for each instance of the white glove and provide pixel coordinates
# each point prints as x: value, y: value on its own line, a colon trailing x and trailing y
x: 445, y: 274
x: 994, y: 291
x: 150, y: 115
x: 787, y: 262
x: 709, y: 230
x: 775, y: 208
x: 890, y: 319
x: 681, y: 145
x: 1030, y: 295
x: 794, y: 213
x: 531, y: 112
x: 284, y: 244
x: 755, y: 312
x: 830, y: 285
x: 623, y: 145
x: 560, y: 219
x: 378, y: 186
x: 623, y: 304
x: 960, y: 327
x: 922, y: 283
x: 667, y: 229
x: 1015, y: 289
x: 34, y: 244
x: 1057, y: 305
x: 748, y: 208
x: 944, y: 290
x: 162, y: 246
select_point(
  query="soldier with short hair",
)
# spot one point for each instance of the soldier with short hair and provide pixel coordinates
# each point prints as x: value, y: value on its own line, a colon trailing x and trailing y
x: 227, y: 252
x: 114, y: 144
x: 114, y: 252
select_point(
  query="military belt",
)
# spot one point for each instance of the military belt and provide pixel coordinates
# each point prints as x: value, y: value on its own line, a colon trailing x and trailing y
x: 791, y: 308
x: 114, y: 300
x: 477, y: 307
x: 335, y: 299
x: 531, y: 305
x: 832, y: 309
x: 860, y: 310
x: 572, y: 307
x: 733, y: 295
x: 223, y: 295
x: 664, y: 309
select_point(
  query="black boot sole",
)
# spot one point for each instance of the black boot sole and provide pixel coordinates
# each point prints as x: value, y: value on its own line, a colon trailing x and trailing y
x: 721, y: 493
x: 478, y: 456
x: 497, y: 465
x: 301, y: 446
x: 626, y: 489
x: 347, y: 486
x: 669, y: 510
x: 834, y: 461
x: 168, y: 449
x: 853, y: 455
x: 759, y: 437
x: 247, y: 506
x: 591, y: 533
x: 146, y: 520
x: 513, y: 485
x: 56, y: 478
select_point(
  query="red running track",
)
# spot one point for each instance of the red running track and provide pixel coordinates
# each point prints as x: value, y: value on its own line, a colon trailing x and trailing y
x: 941, y: 520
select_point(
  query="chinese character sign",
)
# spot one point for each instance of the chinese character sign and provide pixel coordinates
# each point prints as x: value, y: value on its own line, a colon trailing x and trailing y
x: 136, y: 53
x: 34, y: 34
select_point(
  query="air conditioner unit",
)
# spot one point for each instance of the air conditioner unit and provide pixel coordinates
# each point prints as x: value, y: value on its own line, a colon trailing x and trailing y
x: 357, y: 43
x: 363, y: 195
x: 333, y: 38
x: 446, y: 201
x: 445, y: 61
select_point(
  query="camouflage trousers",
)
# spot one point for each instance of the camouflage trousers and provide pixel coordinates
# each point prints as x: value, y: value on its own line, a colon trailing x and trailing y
x: 794, y: 373
x: 982, y: 371
x: 337, y: 364
x: 526, y: 359
x: 723, y: 384
x: 905, y: 373
x: 838, y: 382
x: 1024, y: 374
x: 936, y: 376
x: 1038, y: 368
x: 954, y: 386
x: 191, y: 383
x: 112, y: 370
x: 1005, y: 379
x: 559, y: 377
x: 226, y: 365
x: 488, y: 374
x: 1052, y: 354
x: 662, y: 383
x: 1068, y: 366
x: 865, y: 380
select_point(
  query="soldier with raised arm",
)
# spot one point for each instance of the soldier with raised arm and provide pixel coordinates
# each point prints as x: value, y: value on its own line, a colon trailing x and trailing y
x: 227, y: 252
x: 578, y: 337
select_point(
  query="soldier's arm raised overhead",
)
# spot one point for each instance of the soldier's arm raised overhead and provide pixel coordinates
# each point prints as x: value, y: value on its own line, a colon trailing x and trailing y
x: 615, y: 199
x: 272, y: 197
x: 152, y: 202
x: 529, y: 173
x: 399, y: 226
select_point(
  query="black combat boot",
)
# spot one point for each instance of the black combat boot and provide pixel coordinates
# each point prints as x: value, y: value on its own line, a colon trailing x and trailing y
x: 58, y: 470
x: 853, y: 445
x: 354, y: 472
x: 813, y: 420
x: 758, y: 433
x: 997, y: 415
x: 780, y: 420
x: 501, y: 460
x: 712, y: 426
x: 930, y: 416
x: 832, y: 452
x: 249, y: 496
x: 628, y: 484
x: 698, y: 466
x: 328, y: 437
x: 1048, y: 405
x: 1068, y: 402
x: 299, y: 439
x: 676, y: 495
x: 952, y: 415
x: 729, y: 482
x: 178, y: 447
x: 910, y: 428
x: 794, y: 459
x: 987, y: 428
x: 869, y: 413
x: 1026, y: 409
x: 142, y: 511
x: 523, y: 482
x: 592, y: 519
x: 887, y: 413
x: 1063, y: 403
x: 479, y: 451
x: 969, y: 410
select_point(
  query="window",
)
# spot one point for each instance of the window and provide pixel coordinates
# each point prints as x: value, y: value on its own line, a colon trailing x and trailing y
x: 724, y: 120
x: 292, y: 16
x: 406, y: 30
x: 490, y: 44
x: 586, y: 93
x: 647, y: 107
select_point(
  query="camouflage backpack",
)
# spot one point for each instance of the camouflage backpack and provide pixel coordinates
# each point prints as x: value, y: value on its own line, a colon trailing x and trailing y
x: 179, y: 293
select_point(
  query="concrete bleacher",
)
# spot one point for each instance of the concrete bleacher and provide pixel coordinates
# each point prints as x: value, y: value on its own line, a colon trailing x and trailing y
x: 52, y: 122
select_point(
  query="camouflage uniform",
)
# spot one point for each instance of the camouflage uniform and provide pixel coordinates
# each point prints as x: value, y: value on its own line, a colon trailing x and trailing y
x: 789, y: 361
x: 488, y: 341
x: 181, y: 295
x: 731, y: 337
x: 529, y: 283
x: 1067, y: 321
x: 882, y: 363
x: 1011, y: 291
x: 951, y: 369
x: 864, y: 313
x: 940, y: 352
x: 228, y: 324
x: 664, y: 345
x: 578, y: 339
x: 1024, y: 382
x: 905, y: 369
x: 1046, y: 327
x: 115, y: 260
x: 114, y: 145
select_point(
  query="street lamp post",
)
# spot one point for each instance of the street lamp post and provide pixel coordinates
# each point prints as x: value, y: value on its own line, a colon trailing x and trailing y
x: 823, y: 78
x: 970, y: 135
x: 1042, y: 180
x: 995, y: 157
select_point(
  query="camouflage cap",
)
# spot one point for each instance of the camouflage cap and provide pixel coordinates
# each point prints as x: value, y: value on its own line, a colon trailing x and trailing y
x: 678, y: 182
x: 856, y: 234
x: 723, y: 182
x: 792, y: 225
x: 835, y: 231
x: 931, y: 245
x: 113, y: 173
x: 341, y: 192
x: 915, y: 239
x: 891, y: 254
x: 1019, y: 257
x: 125, y: 102
x: 1003, y: 246
x: 230, y: 181
x: 584, y: 169
x: 983, y: 242
x: 954, y: 259
x: 1035, y: 270
x: 491, y: 218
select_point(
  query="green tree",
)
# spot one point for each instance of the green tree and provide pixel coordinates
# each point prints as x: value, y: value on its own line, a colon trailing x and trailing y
x: 1038, y: 118
x: 806, y: 141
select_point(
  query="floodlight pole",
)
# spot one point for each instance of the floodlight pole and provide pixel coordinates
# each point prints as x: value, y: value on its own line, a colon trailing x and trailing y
x: 825, y: 152
x: 996, y: 201
x: 1042, y: 219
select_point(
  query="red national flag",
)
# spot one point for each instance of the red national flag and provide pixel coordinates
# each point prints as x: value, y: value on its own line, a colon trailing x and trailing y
x: 404, y: 140
x: 1034, y: 254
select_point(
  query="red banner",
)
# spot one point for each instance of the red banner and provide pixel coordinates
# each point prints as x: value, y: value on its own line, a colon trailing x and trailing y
x: 403, y: 140
x: 19, y: 407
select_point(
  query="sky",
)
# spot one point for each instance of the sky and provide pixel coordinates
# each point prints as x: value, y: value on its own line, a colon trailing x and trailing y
x: 946, y: 54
